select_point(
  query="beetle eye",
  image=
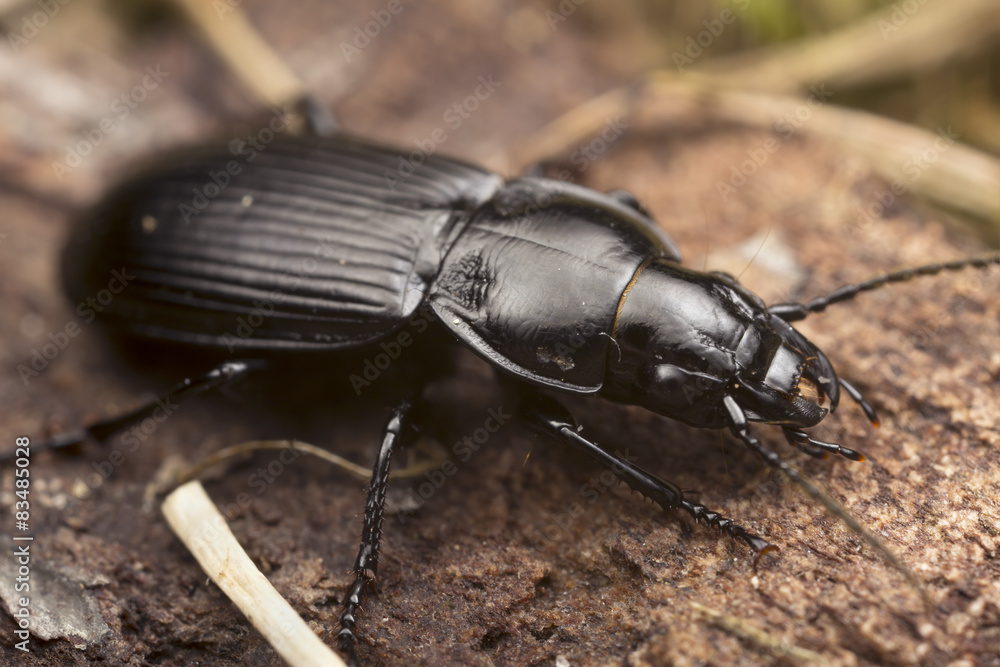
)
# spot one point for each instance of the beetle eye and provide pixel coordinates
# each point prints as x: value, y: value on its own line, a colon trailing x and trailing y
x: 669, y: 377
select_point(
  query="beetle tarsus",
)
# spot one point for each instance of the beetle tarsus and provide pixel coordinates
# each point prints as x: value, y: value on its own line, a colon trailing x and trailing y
x: 818, y: 448
x: 758, y: 544
x: 804, y: 447
x: 366, y: 565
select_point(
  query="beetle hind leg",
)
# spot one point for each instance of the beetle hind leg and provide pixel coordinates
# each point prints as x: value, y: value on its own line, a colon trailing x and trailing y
x: 552, y: 418
x: 366, y: 564
x: 222, y: 374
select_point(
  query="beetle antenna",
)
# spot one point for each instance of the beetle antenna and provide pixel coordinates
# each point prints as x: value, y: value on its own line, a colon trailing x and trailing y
x: 792, y: 312
x: 708, y: 243
x: 740, y: 427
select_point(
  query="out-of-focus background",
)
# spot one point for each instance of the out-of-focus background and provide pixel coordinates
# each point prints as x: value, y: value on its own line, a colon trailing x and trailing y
x: 799, y: 144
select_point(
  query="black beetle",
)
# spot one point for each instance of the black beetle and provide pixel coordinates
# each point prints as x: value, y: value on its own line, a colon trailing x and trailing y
x: 314, y: 245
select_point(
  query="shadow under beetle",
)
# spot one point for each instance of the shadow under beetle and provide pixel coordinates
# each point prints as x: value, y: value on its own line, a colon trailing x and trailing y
x: 319, y: 244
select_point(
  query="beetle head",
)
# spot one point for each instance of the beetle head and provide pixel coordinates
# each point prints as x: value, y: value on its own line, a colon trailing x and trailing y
x: 686, y: 339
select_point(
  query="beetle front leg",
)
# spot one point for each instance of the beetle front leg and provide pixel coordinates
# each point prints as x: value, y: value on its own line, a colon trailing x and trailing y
x: 739, y: 426
x: 222, y: 374
x: 366, y: 565
x: 551, y: 417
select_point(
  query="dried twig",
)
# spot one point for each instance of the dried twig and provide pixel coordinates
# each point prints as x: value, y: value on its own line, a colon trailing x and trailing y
x: 226, y: 28
x: 413, y: 469
x: 893, y: 42
x: 196, y: 521
x: 751, y: 89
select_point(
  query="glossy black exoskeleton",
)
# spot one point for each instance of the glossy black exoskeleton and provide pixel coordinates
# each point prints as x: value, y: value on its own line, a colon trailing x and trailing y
x: 323, y: 244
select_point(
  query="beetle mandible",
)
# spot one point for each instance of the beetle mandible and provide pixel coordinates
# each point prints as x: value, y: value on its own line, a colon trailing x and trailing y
x: 562, y: 289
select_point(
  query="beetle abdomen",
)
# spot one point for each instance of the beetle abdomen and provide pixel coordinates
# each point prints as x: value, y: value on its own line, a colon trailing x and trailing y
x: 305, y: 244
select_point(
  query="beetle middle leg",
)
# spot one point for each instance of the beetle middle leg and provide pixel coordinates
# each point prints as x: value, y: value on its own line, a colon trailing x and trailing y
x: 549, y: 416
x: 366, y: 565
x: 740, y: 427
